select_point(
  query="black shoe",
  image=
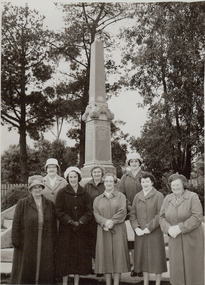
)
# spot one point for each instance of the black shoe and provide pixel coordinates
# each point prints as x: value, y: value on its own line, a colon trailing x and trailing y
x: 140, y: 274
x: 99, y: 275
x: 133, y: 273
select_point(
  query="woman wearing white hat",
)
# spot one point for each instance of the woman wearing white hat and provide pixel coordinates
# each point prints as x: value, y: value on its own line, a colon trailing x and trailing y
x: 53, y: 182
x: 74, y: 211
x: 130, y: 186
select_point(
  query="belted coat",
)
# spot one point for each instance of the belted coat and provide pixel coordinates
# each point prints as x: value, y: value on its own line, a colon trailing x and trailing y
x: 24, y: 238
x: 112, y: 255
x: 186, y: 251
x: 149, y: 249
x: 73, y: 248
x: 50, y: 192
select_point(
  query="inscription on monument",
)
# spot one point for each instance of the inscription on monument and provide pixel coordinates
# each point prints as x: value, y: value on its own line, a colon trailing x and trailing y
x: 89, y: 145
x: 102, y: 140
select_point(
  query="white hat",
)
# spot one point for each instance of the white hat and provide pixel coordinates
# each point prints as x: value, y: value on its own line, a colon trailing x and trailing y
x: 72, y: 168
x: 52, y: 161
x: 134, y: 155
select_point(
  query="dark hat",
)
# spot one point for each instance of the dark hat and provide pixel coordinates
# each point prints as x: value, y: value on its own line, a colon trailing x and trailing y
x: 35, y: 180
x: 176, y: 176
x: 98, y: 166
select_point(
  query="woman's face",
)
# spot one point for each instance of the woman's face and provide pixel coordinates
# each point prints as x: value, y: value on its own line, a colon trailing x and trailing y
x: 97, y: 174
x: 52, y: 169
x: 134, y: 163
x: 177, y: 187
x: 73, y: 178
x: 146, y: 183
x: 109, y: 183
x: 36, y: 191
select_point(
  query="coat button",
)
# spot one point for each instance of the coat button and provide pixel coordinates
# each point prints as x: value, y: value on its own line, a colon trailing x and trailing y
x: 76, y: 208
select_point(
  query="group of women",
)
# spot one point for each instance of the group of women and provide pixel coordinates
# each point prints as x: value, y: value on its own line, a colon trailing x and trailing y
x: 64, y: 229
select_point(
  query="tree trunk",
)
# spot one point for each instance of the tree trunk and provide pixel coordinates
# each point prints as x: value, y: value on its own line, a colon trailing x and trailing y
x: 23, y: 155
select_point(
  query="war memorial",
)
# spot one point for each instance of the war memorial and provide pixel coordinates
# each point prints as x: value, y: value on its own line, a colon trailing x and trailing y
x: 98, y: 118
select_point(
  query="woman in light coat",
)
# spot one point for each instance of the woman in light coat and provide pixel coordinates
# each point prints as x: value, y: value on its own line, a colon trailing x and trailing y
x: 181, y: 218
x: 112, y: 256
x: 149, y: 248
x: 33, y: 237
x: 53, y: 182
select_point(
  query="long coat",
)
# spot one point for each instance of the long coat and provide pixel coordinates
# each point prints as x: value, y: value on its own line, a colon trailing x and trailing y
x: 93, y: 191
x: 149, y: 249
x: 72, y: 249
x: 130, y: 186
x: 112, y: 254
x: 186, y: 251
x: 50, y: 192
x: 24, y: 239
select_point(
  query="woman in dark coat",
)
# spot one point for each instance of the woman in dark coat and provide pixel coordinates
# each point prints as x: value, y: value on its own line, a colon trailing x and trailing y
x: 149, y: 249
x: 130, y: 186
x: 74, y: 211
x: 33, y: 237
x: 94, y: 188
x: 181, y: 218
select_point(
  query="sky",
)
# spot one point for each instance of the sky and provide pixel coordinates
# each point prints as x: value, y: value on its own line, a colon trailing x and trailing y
x: 124, y: 106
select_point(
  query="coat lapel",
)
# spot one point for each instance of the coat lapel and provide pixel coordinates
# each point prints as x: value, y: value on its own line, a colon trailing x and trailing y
x: 57, y: 182
x: 32, y: 202
x: 185, y: 196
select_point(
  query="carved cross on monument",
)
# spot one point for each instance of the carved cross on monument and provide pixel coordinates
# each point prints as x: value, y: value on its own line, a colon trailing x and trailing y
x: 97, y: 117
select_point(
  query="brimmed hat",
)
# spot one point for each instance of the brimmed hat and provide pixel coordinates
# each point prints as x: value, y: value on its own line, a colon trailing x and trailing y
x: 52, y: 161
x: 72, y: 168
x: 176, y: 176
x: 134, y: 155
x: 98, y: 166
x: 35, y: 180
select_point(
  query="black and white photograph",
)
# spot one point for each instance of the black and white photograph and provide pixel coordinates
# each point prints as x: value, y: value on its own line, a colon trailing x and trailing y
x: 102, y: 142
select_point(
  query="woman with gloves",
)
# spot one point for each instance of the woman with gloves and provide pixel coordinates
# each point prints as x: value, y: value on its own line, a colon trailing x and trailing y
x: 181, y: 218
x: 149, y: 249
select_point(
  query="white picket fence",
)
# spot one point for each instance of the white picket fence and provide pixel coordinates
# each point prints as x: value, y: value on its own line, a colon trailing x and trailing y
x: 6, y: 187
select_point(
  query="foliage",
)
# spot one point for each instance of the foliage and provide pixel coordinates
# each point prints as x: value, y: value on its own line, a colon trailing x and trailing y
x: 163, y: 58
x: 84, y: 23
x: 25, y: 68
x: 13, y: 196
x: 10, y: 160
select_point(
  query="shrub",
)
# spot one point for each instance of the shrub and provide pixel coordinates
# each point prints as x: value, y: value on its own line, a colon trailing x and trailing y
x: 13, y: 195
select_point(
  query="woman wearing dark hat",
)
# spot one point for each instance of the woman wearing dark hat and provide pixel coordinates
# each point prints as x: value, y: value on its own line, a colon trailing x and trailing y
x: 149, y: 249
x: 33, y: 237
x: 74, y: 211
x: 53, y: 182
x: 181, y: 218
x: 94, y: 188
x: 130, y: 186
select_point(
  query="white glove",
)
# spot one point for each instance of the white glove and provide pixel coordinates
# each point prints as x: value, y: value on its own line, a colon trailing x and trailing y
x: 146, y: 231
x: 109, y: 224
x: 177, y: 230
x: 105, y: 229
x: 174, y: 231
x: 139, y: 232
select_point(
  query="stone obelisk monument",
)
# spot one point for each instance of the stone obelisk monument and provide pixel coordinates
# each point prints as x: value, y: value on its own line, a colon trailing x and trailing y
x: 97, y: 117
